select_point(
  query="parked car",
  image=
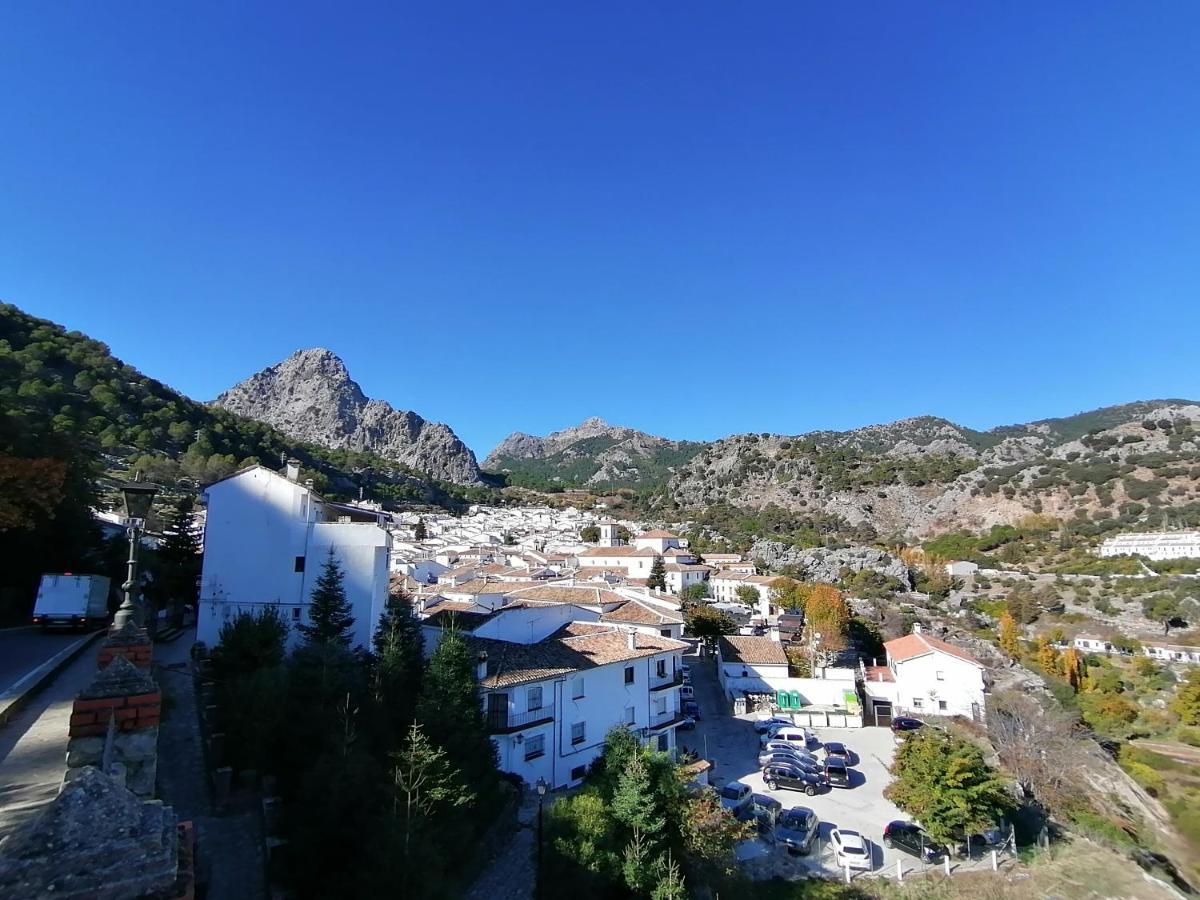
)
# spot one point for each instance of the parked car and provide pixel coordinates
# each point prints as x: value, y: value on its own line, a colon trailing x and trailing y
x: 687, y: 723
x: 850, y: 849
x: 798, y: 737
x: 911, y: 839
x: 785, y: 747
x: 687, y: 692
x: 785, y: 758
x: 989, y: 839
x: 836, y: 750
x: 837, y: 773
x: 692, y: 708
x: 767, y: 811
x: 763, y: 724
x: 797, y: 829
x: 901, y: 724
x: 792, y: 778
x: 737, y: 797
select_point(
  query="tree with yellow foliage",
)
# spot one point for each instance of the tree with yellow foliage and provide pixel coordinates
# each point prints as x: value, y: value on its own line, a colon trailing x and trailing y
x: 1074, y: 668
x: 1047, y: 656
x: 827, y: 614
x: 1010, y: 636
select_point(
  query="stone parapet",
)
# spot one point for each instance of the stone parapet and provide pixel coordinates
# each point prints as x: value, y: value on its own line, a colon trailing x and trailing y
x: 130, y: 642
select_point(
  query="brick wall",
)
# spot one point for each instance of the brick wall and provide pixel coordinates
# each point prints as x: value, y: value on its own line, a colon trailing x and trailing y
x: 91, y: 717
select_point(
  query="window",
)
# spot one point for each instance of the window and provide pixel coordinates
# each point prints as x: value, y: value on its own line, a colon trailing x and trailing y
x: 295, y: 613
x: 660, y: 668
x: 664, y: 743
x: 578, y: 772
x: 577, y: 689
x: 942, y: 705
x: 629, y: 674
x: 578, y: 733
x: 535, y: 746
x: 299, y: 563
x: 665, y: 632
x: 533, y: 698
x: 941, y: 676
x: 630, y: 715
x: 917, y: 702
x: 660, y: 705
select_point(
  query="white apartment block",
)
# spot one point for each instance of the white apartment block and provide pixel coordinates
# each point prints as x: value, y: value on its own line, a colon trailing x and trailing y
x: 554, y: 680
x: 266, y: 538
x: 1154, y: 545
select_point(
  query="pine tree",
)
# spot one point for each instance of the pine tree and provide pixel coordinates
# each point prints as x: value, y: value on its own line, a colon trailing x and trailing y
x: 451, y: 714
x: 658, y: 574
x: 179, y: 559
x: 419, y: 531
x: 399, y: 665
x: 634, y: 807
x: 329, y: 612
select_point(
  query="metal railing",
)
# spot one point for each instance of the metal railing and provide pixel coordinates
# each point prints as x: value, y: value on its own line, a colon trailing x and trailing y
x: 505, y: 722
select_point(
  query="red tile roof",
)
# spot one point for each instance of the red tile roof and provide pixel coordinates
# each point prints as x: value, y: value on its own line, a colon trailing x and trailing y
x: 918, y: 644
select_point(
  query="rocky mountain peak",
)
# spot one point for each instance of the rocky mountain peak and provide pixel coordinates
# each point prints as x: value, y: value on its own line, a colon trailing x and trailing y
x: 310, y: 396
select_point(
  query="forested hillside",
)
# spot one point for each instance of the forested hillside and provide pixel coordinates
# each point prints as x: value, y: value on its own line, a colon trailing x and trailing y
x: 74, y: 417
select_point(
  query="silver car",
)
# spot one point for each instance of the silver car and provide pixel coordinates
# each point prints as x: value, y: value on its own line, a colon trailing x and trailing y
x: 797, y: 829
x: 784, y: 758
x: 786, y: 747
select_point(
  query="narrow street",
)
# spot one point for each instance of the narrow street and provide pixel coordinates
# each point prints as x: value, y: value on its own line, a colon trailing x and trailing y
x: 24, y: 649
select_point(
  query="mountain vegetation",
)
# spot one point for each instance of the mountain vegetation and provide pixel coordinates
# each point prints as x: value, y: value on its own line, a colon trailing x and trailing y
x: 75, y: 418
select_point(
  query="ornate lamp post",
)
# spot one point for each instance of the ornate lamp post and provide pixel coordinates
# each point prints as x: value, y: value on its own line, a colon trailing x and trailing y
x: 541, y: 792
x: 139, y: 497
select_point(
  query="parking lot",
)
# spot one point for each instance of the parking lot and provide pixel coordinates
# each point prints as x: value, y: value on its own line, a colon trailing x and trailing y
x: 732, y: 744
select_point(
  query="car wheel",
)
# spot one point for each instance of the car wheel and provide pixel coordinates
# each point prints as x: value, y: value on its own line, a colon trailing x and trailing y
x: 889, y: 843
x: 810, y: 790
x: 772, y: 786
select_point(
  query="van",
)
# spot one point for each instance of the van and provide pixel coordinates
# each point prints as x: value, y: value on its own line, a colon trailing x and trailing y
x: 794, y: 735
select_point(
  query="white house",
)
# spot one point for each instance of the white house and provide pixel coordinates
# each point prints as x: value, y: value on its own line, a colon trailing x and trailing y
x: 554, y: 681
x: 925, y: 675
x: 1171, y: 653
x: 754, y: 671
x: 961, y: 569
x: 1154, y: 545
x: 636, y: 560
x: 266, y: 537
x: 724, y: 586
x: 646, y: 616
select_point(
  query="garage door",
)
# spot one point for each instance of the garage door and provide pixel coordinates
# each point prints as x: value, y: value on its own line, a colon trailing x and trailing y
x: 883, y: 713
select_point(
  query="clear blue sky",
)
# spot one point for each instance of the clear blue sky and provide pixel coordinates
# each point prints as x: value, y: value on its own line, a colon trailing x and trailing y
x: 692, y: 218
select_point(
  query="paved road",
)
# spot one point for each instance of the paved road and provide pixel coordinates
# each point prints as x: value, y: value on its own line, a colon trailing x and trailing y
x: 24, y: 649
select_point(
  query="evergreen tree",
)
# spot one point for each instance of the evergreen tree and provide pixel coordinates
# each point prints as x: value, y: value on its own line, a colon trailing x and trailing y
x: 419, y: 531
x: 399, y: 665
x: 329, y: 613
x: 633, y: 805
x: 179, y: 559
x: 658, y: 574
x: 451, y: 714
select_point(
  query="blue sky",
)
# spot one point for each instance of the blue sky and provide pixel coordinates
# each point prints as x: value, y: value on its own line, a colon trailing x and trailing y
x: 695, y: 219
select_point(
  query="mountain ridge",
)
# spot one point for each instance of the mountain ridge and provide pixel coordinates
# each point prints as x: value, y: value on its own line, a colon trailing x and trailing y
x: 310, y: 396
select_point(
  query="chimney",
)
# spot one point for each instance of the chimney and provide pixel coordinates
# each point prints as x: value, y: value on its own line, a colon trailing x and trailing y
x: 481, y: 668
x: 308, y: 483
x: 631, y: 633
x: 293, y: 469
x: 916, y: 628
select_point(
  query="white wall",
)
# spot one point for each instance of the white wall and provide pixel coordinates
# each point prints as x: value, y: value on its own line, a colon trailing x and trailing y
x: 257, y: 524
x: 960, y: 685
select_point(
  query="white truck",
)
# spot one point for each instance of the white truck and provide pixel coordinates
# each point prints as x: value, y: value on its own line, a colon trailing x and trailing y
x: 71, y: 601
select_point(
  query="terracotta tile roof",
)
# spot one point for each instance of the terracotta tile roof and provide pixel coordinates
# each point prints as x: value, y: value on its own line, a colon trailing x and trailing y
x: 638, y: 613
x: 656, y: 534
x: 752, y: 650
x: 576, y: 647
x: 686, y: 567
x: 913, y: 645
x: 484, y: 586
x: 879, y: 673
x: 564, y: 593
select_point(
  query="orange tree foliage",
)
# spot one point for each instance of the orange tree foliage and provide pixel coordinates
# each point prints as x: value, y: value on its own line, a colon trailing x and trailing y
x: 30, y: 489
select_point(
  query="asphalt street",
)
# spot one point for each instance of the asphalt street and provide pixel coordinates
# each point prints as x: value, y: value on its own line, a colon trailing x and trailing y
x: 24, y: 649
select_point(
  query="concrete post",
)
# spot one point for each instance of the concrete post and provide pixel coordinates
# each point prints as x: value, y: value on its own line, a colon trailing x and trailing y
x: 899, y: 872
x: 946, y: 860
x: 995, y: 864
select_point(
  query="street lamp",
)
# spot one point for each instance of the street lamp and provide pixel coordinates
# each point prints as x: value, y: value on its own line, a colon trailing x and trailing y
x: 138, y: 496
x: 541, y: 792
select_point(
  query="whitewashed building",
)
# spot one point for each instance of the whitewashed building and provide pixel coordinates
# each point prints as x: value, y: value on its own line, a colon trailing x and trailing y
x: 1154, y: 545
x: 266, y: 538
x: 924, y: 675
x: 554, y: 681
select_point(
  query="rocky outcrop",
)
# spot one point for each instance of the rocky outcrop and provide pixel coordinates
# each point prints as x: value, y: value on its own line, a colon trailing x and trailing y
x: 311, y: 397
x: 590, y: 454
x: 915, y: 477
x: 827, y: 566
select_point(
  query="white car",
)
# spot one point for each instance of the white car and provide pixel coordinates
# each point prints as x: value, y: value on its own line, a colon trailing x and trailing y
x: 850, y: 849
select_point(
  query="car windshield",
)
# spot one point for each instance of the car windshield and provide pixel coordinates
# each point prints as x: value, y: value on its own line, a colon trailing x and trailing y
x: 852, y: 843
x: 797, y: 821
x: 731, y: 793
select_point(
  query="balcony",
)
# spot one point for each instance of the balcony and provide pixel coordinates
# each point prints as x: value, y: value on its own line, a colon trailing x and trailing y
x: 659, y: 721
x: 669, y: 681
x: 504, y: 722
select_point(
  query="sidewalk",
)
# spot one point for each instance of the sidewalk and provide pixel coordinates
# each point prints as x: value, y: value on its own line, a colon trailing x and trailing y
x: 33, y: 744
x: 228, y: 843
